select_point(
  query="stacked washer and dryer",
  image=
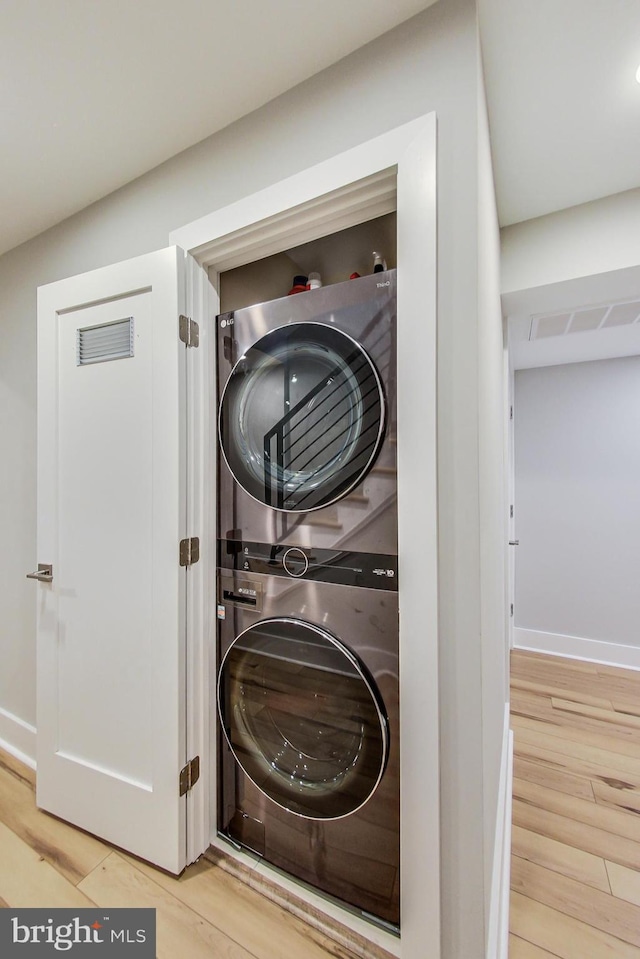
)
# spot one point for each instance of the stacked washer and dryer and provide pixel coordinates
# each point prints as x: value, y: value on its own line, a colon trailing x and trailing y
x: 308, y: 696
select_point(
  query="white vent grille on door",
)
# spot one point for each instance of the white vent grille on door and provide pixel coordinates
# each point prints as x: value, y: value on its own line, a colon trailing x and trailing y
x: 109, y: 341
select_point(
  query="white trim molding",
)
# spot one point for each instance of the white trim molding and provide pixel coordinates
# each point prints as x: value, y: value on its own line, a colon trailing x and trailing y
x: 18, y: 738
x: 498, y: 935
x: 347, y: 189
x: 575, y: 647
x: 396, y: 170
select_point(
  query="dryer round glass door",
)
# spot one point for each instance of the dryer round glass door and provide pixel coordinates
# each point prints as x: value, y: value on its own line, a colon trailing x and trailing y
x: 301, y: 417
x: 302, y: 718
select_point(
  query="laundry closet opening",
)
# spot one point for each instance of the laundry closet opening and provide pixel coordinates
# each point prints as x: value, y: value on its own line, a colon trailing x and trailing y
x: 307, y: 650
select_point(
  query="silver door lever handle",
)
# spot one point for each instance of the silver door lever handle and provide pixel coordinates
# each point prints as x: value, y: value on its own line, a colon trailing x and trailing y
x: 43, y: 574
x: 514, y: 542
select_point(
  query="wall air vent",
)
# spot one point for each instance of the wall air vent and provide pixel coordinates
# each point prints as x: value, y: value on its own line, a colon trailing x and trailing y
x: 584, y: 320
x: 108, y: 341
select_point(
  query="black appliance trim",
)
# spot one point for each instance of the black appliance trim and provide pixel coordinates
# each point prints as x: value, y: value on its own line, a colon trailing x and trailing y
x: 341, y: 566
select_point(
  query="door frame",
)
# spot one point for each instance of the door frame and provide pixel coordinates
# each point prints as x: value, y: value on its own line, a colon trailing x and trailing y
x: 394, y: 171
x: 511, y: 491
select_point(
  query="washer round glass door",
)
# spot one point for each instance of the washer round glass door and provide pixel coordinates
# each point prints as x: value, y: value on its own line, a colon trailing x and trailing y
x: 302, y: 718
x: 301, y: 417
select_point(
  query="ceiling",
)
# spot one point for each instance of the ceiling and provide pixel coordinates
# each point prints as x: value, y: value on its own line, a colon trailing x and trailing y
x: 94, y: 94
x: 87, y: 90
x: 564, y: 104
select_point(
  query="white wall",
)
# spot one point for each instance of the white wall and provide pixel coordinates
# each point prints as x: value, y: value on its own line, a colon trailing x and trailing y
x: 17, y: 509
x: 593, y: 238
x: 577, y: 456
x: 493, y: 509
x: 586, y: 255
x: 428, y: 63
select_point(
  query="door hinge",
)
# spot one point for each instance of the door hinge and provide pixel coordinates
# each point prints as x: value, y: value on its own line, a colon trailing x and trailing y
x: 189, y: 331
x: 511, y: 512
x: 189, y: 551
x: 511, y: 611
x: 511, y: 412
x: 189, y: 775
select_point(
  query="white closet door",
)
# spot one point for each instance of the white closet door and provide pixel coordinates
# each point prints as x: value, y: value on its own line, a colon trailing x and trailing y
x: 111, y: 513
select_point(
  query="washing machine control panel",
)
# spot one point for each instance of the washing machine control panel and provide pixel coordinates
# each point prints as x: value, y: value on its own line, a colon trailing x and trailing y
x: 371, y: 570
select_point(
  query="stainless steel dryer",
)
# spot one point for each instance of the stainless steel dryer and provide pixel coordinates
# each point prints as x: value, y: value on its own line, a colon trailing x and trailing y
x: 307, y: 418
x: 309, y: 744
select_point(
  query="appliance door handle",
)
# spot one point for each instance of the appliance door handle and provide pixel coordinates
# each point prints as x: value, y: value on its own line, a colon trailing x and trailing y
x: 44, y: 573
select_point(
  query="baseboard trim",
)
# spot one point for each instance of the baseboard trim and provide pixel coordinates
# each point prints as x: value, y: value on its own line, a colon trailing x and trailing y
x: 575, y: 647
x: 498, y: 934
x: 18, y: 738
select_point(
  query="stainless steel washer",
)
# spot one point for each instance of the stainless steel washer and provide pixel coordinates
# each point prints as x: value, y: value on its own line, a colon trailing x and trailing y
x: 308, y: 709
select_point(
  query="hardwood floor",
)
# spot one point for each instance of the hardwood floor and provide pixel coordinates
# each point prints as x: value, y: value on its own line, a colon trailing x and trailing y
x: 204, y: 913
x: 575, y: 855
x: 575, y: 879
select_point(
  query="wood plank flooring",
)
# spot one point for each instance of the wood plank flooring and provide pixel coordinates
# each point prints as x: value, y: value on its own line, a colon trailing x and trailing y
x: 575, y: 854
x: 575, y: 867
x: 204, y: 913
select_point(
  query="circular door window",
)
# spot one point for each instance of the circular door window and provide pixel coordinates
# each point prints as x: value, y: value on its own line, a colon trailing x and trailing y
x: 301, y: 417
x: 302, y: 718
